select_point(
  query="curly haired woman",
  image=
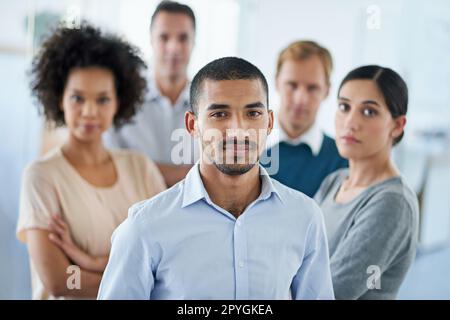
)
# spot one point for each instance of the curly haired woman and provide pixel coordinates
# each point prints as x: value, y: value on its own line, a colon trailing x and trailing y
x: 74, y: 197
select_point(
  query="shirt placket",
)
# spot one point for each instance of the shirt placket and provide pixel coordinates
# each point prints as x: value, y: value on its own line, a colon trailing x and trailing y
x: 241, y: 259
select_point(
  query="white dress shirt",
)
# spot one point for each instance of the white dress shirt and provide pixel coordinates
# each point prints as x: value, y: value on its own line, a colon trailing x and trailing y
x: 313, y: 137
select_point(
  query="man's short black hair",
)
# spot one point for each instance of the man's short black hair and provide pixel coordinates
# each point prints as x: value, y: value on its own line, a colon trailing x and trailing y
x: 173, y: 7
x: 227, y: 68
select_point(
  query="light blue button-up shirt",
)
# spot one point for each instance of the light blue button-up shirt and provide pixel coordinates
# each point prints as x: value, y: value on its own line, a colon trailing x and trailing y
x: 180, y: 245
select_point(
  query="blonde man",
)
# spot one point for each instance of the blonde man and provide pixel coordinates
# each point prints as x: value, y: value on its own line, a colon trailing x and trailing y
x: 306, y: 154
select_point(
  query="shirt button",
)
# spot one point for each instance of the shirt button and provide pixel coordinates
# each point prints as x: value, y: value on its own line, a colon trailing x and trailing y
x: 238, y: 223
x: 241, y: 264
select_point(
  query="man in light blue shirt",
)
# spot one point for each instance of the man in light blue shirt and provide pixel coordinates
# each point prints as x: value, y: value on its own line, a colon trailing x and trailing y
x: 227, y: 231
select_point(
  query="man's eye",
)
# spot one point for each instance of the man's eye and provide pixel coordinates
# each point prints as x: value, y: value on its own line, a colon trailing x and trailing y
x: 291, y: 86
x: 220, y: 114
x: 183, y: 38
x: 369, y: 112
x: 313, y: 88
x: 343, y: 107
x: 254, y: 114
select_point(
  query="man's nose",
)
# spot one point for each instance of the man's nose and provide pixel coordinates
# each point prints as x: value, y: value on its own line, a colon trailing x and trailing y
x: 237, y: 129
x: 173, y: 46
x: 301, y: 96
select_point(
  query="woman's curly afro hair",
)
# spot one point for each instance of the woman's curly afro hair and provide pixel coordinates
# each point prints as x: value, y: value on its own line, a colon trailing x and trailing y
x: 83, y: 47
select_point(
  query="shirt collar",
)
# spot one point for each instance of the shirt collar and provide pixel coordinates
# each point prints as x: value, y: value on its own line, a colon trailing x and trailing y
x: 313, y: 138
x: 153, y: 92
x: 194, y: 190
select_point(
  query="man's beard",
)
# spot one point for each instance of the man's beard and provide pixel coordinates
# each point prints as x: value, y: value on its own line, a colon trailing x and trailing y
x: 235, y: 168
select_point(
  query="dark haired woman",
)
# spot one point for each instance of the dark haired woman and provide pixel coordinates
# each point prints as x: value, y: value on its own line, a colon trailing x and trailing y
x: 371, y: 215
x: 74, y: 197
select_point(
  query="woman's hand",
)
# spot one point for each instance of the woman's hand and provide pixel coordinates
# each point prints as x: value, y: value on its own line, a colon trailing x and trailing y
x: 60, y: 236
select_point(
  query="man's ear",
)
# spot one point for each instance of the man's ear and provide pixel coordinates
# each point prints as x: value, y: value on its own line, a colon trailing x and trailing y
x: 399, y: 126
x: 190, y: 121
x: 271, y: 120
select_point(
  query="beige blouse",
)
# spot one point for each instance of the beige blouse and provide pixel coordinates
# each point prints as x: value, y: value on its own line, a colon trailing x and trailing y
x: 52, y: 185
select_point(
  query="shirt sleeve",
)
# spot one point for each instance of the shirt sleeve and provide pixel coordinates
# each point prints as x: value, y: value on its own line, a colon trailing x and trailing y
x: 381, y: 231
x: 38, y: 201
x: 129, y: 273
x: 313, y: 278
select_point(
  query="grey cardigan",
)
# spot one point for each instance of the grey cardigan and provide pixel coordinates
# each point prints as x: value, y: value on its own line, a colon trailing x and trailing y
x: 372, y: 238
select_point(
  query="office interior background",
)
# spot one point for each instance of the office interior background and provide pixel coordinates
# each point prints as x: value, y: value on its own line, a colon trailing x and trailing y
x: 410, y: 36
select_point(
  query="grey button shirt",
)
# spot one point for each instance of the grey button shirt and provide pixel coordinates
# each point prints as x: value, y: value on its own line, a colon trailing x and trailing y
x: 158, y: 130
x: 372, y: 238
